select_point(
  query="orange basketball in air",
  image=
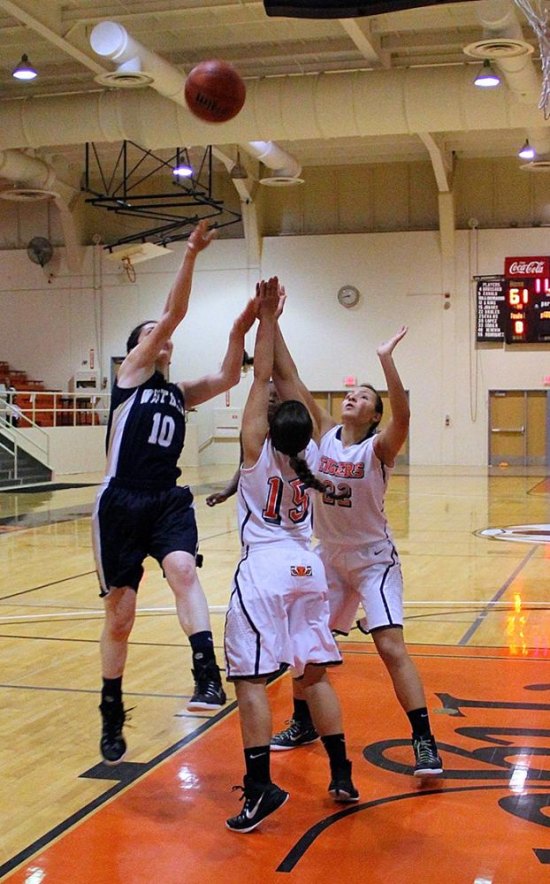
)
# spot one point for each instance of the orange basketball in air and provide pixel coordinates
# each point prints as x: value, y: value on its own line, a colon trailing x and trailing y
x: 214, y: 91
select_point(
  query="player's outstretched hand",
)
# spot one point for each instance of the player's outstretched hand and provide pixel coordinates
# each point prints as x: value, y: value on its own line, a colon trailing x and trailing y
x: 201, y: 237
x: 268, y: 295
x: 387, y: 348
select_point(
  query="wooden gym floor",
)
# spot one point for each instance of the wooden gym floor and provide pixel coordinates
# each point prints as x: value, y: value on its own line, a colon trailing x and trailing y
x: 478, y: 626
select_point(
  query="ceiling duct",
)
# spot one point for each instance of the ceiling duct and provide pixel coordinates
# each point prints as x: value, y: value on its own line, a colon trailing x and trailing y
x: 25, y: 194
x: 504, y: 44
x: 540, y: 164
x: 111, y: 40
x: 286, y: 168
x: 137, y: 66
x: 35, y: 179
x: 30, y: 174
x: 293, y: 107
x: 494, y: 49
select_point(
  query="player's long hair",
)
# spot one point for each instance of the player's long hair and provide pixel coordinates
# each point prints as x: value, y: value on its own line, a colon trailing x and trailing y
x: 379, y: 409
x: 291, y: 429
x: 133, y: 337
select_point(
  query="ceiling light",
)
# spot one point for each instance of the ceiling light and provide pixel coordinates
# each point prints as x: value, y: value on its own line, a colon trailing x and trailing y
x: 486, y: 77
x: 24, y: 70
x: 183, y: 167
x: 527, y: 152
x: 238, y: 170
x: 183, y: 171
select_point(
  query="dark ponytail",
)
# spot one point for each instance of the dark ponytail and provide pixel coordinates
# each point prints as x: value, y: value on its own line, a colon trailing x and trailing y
x: 305, y: 475
x: 290, y: 429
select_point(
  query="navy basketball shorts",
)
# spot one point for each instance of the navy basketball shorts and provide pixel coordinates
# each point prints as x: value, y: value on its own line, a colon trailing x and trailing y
x: 129, y: 525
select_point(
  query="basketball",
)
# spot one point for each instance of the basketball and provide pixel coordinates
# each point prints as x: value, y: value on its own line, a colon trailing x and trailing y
x: 214, y: 91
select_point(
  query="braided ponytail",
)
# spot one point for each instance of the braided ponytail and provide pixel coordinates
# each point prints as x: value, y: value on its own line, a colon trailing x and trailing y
x: 305, y: 475
x: 290, y: 427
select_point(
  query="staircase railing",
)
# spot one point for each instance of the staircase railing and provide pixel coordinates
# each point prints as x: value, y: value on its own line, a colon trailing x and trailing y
x: 11, y: 453
x: 35, y: 441
x: 44, y: 408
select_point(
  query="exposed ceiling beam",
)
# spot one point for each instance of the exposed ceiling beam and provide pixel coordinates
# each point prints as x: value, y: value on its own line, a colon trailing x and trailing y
x: 442, y: 160
x: 368, y: 45
x: 28, y: 16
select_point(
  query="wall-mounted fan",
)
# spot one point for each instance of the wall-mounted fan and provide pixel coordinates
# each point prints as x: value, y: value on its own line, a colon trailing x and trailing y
x: 40, y: 250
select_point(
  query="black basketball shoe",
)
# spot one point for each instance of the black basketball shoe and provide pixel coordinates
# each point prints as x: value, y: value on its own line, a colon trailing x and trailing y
x: 427, y: 761
x: 208, y: 692
x: 296, y: 734
x: 112, y: 744
x: 260, y: 800
x: 341, y: 786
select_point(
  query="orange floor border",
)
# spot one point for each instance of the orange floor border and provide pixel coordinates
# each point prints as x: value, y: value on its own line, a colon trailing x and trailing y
x: 486, y: 819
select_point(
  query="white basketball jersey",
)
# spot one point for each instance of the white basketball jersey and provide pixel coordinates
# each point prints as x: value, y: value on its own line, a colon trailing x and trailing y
x: 355, y: 472
x: 273, y: 504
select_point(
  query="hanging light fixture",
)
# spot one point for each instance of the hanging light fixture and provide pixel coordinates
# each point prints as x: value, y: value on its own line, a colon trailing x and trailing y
x: 527, y: 152
x: 183, y: 167
x: 238, y: 171
x: 486, y: 77
x: 24, y: 70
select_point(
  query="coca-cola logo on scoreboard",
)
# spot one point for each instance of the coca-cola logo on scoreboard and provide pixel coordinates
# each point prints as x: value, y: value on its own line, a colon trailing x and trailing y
x: 531, y: 266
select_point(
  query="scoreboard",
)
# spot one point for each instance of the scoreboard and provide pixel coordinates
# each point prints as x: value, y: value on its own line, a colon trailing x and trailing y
x: 515, y: 307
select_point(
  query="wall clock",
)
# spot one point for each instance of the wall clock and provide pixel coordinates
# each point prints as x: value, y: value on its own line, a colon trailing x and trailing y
x: 348, y: 296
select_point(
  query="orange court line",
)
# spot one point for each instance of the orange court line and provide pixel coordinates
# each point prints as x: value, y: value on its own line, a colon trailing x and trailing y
x: 487, y: 817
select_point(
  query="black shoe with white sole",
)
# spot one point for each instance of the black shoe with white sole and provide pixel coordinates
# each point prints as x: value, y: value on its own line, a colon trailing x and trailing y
x: 427, y: 761
x: 260, y: 801
x: 341, y: 786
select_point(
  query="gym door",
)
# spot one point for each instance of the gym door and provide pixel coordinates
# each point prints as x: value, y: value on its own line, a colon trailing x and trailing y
x: 518, y: 427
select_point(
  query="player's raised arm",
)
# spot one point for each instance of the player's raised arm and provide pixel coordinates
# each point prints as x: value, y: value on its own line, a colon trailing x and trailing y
x: 290, y: 385
x: 255, y: 421
x: 157, y: 334
x: 391, y: 439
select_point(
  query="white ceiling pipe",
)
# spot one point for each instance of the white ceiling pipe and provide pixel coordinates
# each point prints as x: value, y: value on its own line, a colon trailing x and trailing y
x: 32, y: 173
x: 522, y: 76
x: 274, y: 157
x: 24, y: 169
x: 111, y: 40
x: 499, y: 21
x: 358, y: 103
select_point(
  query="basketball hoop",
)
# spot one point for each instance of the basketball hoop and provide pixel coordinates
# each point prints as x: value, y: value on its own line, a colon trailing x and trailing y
x: 536, y: 13
x: 129, y: 268
x: 131, y: 254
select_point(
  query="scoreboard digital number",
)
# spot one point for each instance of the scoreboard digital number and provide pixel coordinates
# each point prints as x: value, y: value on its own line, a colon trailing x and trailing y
x: 515, y: 308
x: 527, y: 311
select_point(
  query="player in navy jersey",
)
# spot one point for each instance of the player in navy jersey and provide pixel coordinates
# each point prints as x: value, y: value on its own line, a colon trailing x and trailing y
x: 356, y: 545
x: 278, y: 610
x: 141, y: 510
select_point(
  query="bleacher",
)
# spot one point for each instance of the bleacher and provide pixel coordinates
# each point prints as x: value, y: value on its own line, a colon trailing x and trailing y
x: 46, y: 408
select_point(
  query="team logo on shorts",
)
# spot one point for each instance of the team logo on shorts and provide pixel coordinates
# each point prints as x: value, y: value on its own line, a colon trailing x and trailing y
x: 301, y: 571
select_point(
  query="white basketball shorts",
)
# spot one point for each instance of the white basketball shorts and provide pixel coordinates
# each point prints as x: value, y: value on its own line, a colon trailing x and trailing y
x: 278, y: 613
x: 371, y: 577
